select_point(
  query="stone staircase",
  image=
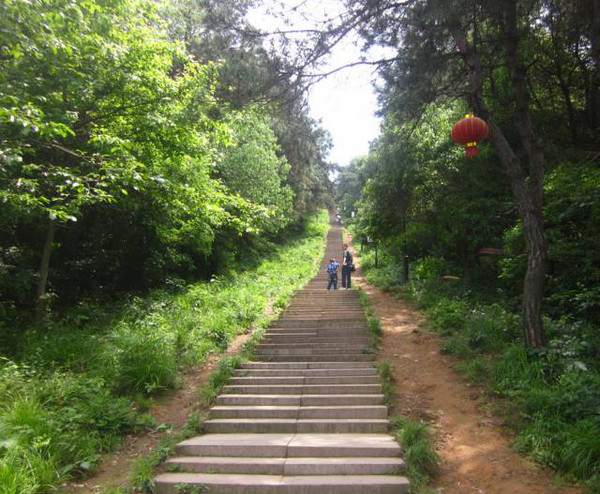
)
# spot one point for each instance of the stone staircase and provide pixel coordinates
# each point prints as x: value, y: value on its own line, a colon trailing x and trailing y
x: 307, y: 417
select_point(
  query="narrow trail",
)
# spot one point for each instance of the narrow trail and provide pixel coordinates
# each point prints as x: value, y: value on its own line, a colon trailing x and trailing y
x: 473, y: 444
x: 307, y: 416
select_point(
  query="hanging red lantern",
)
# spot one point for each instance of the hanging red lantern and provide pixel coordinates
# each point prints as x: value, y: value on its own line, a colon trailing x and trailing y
x: 468, y: 132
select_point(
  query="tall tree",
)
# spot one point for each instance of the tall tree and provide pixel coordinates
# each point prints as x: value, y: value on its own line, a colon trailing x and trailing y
x: 431, y: 38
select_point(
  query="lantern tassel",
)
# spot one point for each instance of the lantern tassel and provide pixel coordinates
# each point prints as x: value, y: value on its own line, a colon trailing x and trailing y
x: 472, y: 150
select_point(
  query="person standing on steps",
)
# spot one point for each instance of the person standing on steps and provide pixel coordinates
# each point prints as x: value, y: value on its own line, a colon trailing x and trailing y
x: 347, y: 263
x: 332, y: 272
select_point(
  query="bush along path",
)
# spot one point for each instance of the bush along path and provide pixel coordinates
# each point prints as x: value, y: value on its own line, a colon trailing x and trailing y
x: 307, y: 416
x: 80, y: 388
x: 474, y: 446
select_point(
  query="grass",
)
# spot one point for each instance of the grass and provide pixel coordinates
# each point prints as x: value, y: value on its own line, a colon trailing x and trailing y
x: 387, y: 381
x: 552, y: 396
x: 374, y: 325
x: 74, y: 390
x: 422, y: 461
x: 143, y: 469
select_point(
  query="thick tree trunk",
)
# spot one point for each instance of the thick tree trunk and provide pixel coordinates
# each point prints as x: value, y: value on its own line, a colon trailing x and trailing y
x: 40, y: 301
x: 528, y: 196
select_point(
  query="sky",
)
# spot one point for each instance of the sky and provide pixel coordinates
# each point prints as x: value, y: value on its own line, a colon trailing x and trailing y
x: 344, y: 102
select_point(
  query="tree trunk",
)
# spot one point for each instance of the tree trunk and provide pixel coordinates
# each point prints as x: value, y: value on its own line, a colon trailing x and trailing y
x: 529, y: 197
x: 533, y: 228
x: 40, y: 302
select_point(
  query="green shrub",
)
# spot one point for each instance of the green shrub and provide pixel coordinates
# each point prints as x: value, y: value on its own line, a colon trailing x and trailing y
x: 491, y: 328
x: 449, y: 314
x: 430, y: 268
x: 553, y: 393
x: 139, y: 359
x: 74, y: 395
x: 476, y: 371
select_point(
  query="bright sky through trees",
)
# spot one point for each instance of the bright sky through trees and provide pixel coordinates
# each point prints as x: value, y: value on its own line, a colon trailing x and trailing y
x: 344, y: 101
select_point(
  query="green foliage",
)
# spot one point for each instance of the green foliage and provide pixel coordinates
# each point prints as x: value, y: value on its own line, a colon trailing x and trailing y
x: 121, y: 134
x: 422, y: 461
x: 218, y: 378
x: 55, y: 425
x: 375, y: 329
x: 552, y: 394
x: 387, y: 381
x: 74, y: 392
x: 144, y: 468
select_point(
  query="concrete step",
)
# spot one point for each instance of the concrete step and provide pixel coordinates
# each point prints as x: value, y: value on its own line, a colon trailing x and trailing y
x: 271, y: 425
x: 170, y: 483
x: 291, y: 445
x: 288, y: 466
x: 313, y: 351
x: 305, y: 372
x: 305, y: 412
x: 358, y: 338
x: 339, y: 344
x: 307, y: 365
x: 301, y: 389
x: 374, y: 379
x: 358, y: 357
x: 324, y: 311
x: 320, y: 324
x: 319, y: 334
x: 300, y: 400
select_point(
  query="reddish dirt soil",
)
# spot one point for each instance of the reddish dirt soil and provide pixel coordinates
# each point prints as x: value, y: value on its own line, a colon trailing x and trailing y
x: 172, y: 410
x: 473, y: 444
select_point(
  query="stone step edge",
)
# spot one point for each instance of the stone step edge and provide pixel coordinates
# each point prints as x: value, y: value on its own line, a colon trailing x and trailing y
x: 287, y: 466
x: 255, y: 484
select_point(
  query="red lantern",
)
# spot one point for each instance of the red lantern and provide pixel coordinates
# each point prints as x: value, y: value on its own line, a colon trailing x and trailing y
x: 468, y: 132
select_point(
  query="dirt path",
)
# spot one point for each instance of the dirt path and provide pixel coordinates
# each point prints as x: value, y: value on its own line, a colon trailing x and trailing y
x: 475, y: 448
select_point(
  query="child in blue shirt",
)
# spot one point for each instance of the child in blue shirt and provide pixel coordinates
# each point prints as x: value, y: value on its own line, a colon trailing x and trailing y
x: 332, y: 272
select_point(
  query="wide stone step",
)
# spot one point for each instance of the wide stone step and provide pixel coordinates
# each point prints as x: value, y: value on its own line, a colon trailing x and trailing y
x: 304, y: 350
x: 300, y: 400
x: 288, y: 466
x: 304, y: 380
x: 170, y: 483
x: 338, y: 320
x: 307, y: 365
x: 270, y: 425
x: 330, y: 345
x: 334, y: 311
x: 319, y: 334
x: 316, y: 338
x: 322, y: 323
x: 304, y: 389
x: 363, y: 340
x: 363, y: 357
x: 305, y: 372
x: 291, y: 412
x: 291, y: 445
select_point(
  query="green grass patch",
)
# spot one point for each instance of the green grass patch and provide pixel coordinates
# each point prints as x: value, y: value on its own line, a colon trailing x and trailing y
x: 374, y: 325
x: 75, y: 389
x: 387, y: 381
x: 144, y: 469
x: 422, y: 461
